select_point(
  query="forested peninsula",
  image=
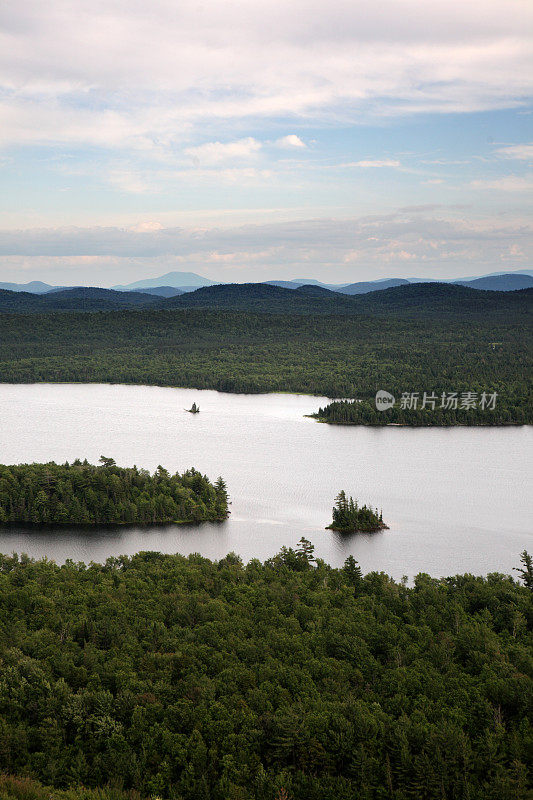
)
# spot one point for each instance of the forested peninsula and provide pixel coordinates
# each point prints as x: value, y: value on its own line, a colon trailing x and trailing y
x: 83, y: 494
x: 182, y: 678
x: 364, y: 412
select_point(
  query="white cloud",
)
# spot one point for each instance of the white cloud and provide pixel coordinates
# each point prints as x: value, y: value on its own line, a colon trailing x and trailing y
x: 508, y: 183
x: 386, y: 162
x: 123, y: 73
x: 520, y: 152
x: 214, y: 153
x: 379, y: 245
x: 148, y: 226
x: 290, y: 141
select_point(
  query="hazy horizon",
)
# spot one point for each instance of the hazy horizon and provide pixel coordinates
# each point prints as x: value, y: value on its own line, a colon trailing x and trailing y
x: 156, y: 283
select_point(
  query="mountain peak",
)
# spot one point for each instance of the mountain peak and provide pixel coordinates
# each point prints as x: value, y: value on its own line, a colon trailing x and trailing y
x: 174, y: 279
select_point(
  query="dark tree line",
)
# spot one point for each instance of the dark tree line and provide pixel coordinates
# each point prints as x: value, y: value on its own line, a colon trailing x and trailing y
x: 350, y: 412
x: 80, y: 493
x: 183, y: 678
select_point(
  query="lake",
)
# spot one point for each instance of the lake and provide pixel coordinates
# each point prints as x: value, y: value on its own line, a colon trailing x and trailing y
x: 456, y: 500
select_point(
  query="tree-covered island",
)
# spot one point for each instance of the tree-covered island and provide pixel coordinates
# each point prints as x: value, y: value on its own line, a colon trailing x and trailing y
x: 83, y: 494
x: 349, y: 517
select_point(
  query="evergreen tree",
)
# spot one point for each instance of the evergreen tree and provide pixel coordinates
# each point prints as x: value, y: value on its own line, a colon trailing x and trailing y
x: 80, y: 493
x: 526, y: 573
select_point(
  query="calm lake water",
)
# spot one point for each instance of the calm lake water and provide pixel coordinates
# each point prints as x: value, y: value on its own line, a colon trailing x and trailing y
x: 456, y: 500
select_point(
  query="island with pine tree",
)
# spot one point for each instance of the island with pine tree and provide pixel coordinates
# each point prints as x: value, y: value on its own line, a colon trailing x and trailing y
x: 83, y: 494
x: 349, y: 517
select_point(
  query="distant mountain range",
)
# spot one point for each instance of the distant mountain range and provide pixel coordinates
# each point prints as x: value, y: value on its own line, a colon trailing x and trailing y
x: 35, y: 287
x: 421, y: 299
x: 178, y: 280
x: 500, y: 282
x: 503, y: 283
x: 176, y: 283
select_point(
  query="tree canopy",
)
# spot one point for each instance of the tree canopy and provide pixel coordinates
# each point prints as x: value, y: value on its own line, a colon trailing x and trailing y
x: 80, y: 493
x: 178, y: 677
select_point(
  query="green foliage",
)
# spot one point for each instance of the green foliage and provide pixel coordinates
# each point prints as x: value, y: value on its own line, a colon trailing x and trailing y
x: 184, y: 678
x: 81, y: 493
x: 335, y: 356
x: 348, y: 517
x: 13, y: 788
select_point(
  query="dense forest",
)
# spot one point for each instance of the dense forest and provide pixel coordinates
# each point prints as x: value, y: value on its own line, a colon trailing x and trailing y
x: 82, y: 494
x: 349, y: 412
x: 350, y: 517
x: 79, y: 299
x: 332, y: 356
x: 179, y: 677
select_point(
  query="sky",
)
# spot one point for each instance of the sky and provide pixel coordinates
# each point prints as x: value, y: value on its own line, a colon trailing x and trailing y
x: 248, y: 140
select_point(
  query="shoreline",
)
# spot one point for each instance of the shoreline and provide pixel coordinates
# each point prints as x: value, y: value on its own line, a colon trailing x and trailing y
x: 273, y: 392
x: 348, y: 531
x: 422, y: 425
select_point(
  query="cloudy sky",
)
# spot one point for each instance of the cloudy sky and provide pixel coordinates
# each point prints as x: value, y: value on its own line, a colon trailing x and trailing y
x: 249, y: 140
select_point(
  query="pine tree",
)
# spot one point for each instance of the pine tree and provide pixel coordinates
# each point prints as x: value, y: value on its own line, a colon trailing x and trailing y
x: 527, y: 573
x: 353, y: 572
x: 306, y: 550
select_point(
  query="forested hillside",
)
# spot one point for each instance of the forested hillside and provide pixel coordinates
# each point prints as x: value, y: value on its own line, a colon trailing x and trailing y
x: 80, y: 493
x: 77, y: 299
x: 333, y: 356
x: 184, y: 678
x: 424, y: 299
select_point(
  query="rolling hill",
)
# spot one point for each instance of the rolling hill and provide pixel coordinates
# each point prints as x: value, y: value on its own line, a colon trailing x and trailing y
x: 420, y: 299
x: 363, y: 287
x: 263, y: 298
x: 79, y: 299
x: 34, y: 287
x: 499, y: 283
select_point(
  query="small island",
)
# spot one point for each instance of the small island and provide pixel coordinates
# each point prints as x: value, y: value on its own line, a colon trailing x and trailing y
x: 348, y: 517
x: 83, y: 494
x: 194, y: 409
